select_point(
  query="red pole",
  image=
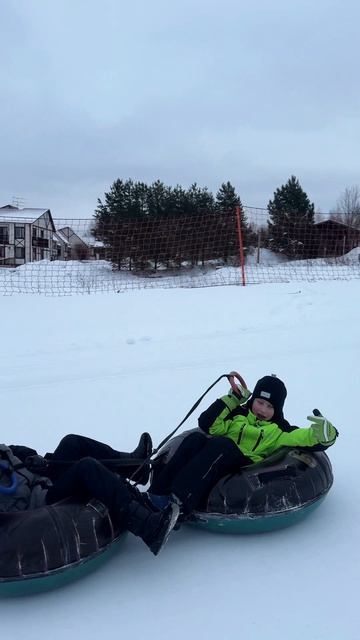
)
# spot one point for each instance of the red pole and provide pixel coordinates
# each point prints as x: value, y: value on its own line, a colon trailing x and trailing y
x: 241, y: 244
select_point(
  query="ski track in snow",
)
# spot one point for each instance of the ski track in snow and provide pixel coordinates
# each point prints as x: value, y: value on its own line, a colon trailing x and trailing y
x: 12, y: 377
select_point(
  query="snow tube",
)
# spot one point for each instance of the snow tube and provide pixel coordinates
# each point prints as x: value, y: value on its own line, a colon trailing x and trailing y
x: 50, y: 546
x: 273, y: 494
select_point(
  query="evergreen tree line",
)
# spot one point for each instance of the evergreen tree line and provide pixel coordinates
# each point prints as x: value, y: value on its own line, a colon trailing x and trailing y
x: 146, y: 226
x: 137, y: 200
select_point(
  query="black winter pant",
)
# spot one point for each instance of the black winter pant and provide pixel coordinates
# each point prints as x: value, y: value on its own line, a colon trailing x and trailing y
x: 88, y: 478
x: 197, y: 465
x: 74, y: 447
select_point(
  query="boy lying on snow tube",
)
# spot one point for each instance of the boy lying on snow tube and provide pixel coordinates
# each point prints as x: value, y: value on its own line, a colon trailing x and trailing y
x: 246, y: 430
x: 29, y: 481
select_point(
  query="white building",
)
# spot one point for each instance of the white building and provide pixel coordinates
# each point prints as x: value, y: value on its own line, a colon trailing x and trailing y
x: 78, y: 249
x: 26, y: 235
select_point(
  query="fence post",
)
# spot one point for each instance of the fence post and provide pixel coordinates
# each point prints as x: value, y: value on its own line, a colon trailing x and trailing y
x: 241, y: 244
x: 258, y: 247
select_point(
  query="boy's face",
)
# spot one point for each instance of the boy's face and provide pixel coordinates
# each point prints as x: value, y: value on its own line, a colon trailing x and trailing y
x: 262, y: 409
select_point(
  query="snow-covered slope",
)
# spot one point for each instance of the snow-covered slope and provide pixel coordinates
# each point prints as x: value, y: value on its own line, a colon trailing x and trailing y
x: 113, y: 365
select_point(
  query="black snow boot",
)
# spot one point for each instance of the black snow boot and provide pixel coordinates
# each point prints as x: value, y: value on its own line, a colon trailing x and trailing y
x: 144, y: 448
x: 153, y: 527
x: 133, y: 467
x: 142, y: 451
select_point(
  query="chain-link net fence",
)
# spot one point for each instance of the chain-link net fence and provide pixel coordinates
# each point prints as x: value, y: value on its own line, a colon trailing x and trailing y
x: 39, y: 254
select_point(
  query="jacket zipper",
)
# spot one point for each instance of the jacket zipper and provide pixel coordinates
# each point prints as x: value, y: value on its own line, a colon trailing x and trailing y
x: 258, y: 440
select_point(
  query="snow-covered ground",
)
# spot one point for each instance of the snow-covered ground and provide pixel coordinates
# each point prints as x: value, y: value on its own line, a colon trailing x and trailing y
x: 113, y: 365
x: 73, y: 277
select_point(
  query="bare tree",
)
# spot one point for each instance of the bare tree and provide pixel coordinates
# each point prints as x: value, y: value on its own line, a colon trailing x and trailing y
x: 347, y: 208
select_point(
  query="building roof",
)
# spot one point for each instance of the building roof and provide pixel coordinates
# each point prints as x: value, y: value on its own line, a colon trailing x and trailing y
x: 10, y: 213
x: 61, y: 236
x: 336, y: 223
x: 69, y: 233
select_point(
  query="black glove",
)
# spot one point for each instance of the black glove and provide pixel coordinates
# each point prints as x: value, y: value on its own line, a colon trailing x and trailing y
x: 36, y: 463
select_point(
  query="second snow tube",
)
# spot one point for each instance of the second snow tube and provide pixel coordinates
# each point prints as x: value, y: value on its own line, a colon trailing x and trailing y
x: 44, y: 548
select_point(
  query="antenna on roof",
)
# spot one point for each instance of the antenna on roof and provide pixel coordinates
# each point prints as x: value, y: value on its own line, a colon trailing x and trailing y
x: 18, y: 202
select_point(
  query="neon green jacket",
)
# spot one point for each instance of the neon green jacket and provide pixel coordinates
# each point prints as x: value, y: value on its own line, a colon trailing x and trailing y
x: 257, y: 439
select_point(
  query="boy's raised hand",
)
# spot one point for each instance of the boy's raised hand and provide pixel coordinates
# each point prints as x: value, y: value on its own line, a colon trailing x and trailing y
x: 322, y: 429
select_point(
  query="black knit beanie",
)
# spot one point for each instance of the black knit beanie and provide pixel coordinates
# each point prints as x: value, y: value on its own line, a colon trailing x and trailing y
x: 273, y: 390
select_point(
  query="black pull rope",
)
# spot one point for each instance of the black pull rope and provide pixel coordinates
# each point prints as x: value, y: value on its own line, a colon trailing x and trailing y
x: 167, y: 438
x: 140, y: 462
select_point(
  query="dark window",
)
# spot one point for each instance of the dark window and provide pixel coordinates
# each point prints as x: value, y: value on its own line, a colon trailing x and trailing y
x: 4, y: 235
x: 34, y: 233
x: 2, y: 252
x: 19, y: 233
x: 42, y: 254
x: 42, y: 233
x: 19, y: 252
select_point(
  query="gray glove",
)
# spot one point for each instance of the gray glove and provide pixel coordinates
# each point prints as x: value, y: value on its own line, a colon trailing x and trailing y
x: 322, y: 430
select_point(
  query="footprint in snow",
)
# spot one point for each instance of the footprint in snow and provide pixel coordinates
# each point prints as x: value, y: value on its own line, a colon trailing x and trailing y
x: 142, y: 339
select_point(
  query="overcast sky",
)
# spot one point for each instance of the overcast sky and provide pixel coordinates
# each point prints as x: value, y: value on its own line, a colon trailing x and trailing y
x: 181, y: 90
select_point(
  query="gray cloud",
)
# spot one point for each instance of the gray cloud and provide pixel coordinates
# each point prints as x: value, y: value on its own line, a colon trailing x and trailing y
x: 183, y: 91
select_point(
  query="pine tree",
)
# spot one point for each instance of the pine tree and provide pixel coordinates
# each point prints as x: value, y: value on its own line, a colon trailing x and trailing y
x: 291, y: 225
x: 126, y: 199
x: 227, y: 198
x: 226, y: 202
x: 158, y: 199
x: 199, y: 200
x: 125, y: 202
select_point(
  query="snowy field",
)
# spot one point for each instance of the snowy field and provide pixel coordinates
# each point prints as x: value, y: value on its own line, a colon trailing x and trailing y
x: 112, y: 365
x: 74, y: 277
